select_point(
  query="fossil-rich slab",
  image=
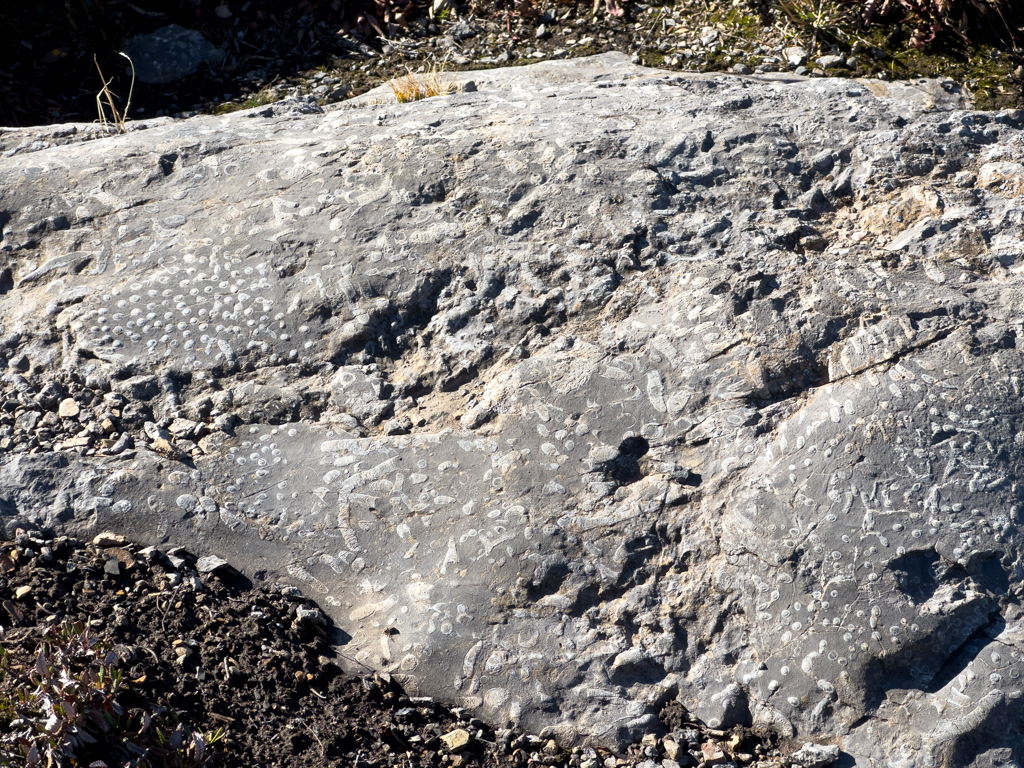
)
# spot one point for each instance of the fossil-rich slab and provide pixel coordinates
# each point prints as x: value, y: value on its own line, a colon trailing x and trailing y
x: 587, y: 389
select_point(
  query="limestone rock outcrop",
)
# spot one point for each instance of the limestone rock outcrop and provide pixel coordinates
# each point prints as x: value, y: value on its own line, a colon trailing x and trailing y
x: 588, y: 389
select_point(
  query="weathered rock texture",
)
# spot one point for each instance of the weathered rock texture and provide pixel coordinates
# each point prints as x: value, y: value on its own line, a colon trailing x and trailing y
x: 591, y: 388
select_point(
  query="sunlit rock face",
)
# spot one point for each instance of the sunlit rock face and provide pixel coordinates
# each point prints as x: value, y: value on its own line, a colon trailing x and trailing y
x: 589, y: 389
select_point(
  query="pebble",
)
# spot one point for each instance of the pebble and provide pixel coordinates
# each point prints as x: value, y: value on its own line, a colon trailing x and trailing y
x: 115, y: 399
x: 108, y: 539
x: 182, y: 427
x: 124, y: 442
x: 156, y: 433
x: 672, y: 749
x: 176, y: 560
x: 68, y: 408
x: 463, y: 30
x: 476, y: 417
x: 965, y: 179
x: 307, y: 615
x: 396, y: 426
x: 224, y: 422
x: 166, y: 447
x: 124, y: 557
x: 795, y: 55
x: 456, y: 740
x: 97, y: 381
x: 27, y: 421
x: 828, y: 62
x: 814, y: 755
x: 211, y: 564
x: 712, y: 753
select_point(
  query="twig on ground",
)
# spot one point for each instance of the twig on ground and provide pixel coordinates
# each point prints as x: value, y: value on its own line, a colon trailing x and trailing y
x: 316, y: 735
x: 657, y: 18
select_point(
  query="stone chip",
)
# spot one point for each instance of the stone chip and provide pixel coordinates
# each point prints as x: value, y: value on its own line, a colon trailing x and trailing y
x: 456, y: 740
x: 68, y: 408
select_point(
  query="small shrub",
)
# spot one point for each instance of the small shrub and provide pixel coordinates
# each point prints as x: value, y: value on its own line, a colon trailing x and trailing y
x: 262, y: 98
x: 65, y: 707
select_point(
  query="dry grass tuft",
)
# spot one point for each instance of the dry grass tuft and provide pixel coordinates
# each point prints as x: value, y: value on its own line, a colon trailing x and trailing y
x: 413, y: 87
x: 116, y: 117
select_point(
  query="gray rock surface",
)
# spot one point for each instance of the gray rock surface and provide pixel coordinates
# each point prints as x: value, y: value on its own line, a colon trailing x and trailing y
x: 593, y: 388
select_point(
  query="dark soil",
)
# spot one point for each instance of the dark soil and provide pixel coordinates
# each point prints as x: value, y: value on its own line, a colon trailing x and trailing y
x: 47, y: 73
x: 217, y: 651
x: 341, y: 48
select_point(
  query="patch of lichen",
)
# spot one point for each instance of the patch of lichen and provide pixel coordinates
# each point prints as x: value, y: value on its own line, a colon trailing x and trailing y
x: 654, y: 59
x: 588, y: 49
x: 740, y: 21
x: 7, y: 710
x: 257, y: 101
x: 984, y: 70
x: 717, y: 61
